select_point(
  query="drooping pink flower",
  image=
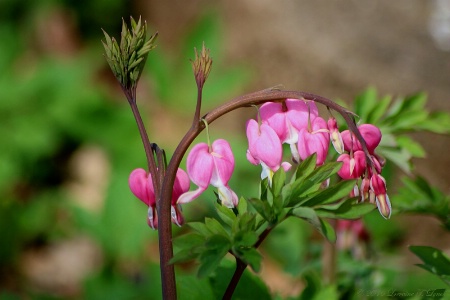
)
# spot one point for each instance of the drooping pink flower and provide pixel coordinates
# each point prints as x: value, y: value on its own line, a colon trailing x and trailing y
x: 378, y: 186
x: 141, y: 185
x: 287, y: 118
x: 180, y: 186
x: 353, y: 166
x: 335, y: 136
x: 314, y: 140
x: 211, y: 166
x: 370, y: 133
x: 264, y: 147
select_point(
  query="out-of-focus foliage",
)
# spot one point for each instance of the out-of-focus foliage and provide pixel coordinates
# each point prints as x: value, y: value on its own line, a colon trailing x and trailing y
x: 52, y: 107
x: 170, y: 66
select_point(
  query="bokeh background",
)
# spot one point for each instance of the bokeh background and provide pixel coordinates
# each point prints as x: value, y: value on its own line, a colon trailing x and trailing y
x: 70, y: 228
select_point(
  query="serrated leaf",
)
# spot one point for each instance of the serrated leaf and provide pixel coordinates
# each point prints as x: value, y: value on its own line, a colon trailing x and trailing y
x: 190, y: 246
x: 263, y: 208
x: 245, y: 239
x: 225, y: 214
x: 200, y: 228
x: 252, y: 257
x: 188, y: 240
x: 245, y: 222
x: 217, y: 247
x: 215, y: 227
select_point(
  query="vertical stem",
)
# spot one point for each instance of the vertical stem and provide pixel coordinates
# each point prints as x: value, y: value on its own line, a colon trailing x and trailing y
x: 240, y: 268
x: 147, y: 146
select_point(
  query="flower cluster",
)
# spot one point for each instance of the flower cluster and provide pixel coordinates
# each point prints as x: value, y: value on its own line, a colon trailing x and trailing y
x: 355, y: 166
x: 294, y: 122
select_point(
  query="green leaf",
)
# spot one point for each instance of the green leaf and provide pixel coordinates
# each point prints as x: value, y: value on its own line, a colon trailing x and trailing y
x: 400, y: 157
x: 191, y: 287
x: 200, y: 228
x: 250, y: 286
x: 215, y: 227
x: 245, y: 239
x: 330, y: 194
x: 411, y: 146
x: 304, y: 186
x: 225, y: 214
x: 191, y: 246
x: 263, y: 208
x: 309, y: 215
x: 434, y: 261
x: 216, y: 248
x: 378, y: 110
x: 347, y: 210
x: 245, y: 222
x: 365, y: 102
x: 188, y: 240
x: 306, y: 167
x: 242, y: 206
x: 278, y: 182
x: 252, y: 257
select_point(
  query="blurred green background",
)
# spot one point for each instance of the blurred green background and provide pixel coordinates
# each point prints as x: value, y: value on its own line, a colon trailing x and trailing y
x: 70, y: 227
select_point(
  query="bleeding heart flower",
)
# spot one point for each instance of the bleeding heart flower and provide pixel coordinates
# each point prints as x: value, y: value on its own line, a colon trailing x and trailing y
x: 314, y: 140
x: 264, y: 147
x: 287, y: 118
x: 141, y: 185
x: 378, y: 186
x: 370, y: 133
x: 180, y: 186
x: 211, y: 166
x: 353, y: 165
x: 335, y: 136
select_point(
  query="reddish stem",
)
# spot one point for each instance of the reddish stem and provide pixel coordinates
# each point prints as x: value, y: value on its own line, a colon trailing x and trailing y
x: 163, y: 205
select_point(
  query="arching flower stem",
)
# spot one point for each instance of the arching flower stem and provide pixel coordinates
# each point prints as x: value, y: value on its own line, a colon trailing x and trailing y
x: 164, y: 206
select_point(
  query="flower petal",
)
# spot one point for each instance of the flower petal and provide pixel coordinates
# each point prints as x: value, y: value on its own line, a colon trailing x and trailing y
x: 200, y: 165
x: 191, y: 195
x: 141, y: 185
x: 223, y: 163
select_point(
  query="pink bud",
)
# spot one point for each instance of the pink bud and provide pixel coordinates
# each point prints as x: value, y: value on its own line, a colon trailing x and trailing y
x: 378, y: 186
x: 370, y: 133
x: 335, y: 136
x: 352, y: 167
x: 180, y: 186
x: 316, y: 141
x: 213, y: 167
